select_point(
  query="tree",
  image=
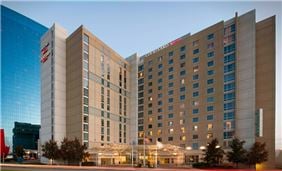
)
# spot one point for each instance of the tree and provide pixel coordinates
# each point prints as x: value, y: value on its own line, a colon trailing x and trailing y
x: 72, y: 151
x: 213, y: 153
x: 51, y: 150
x: 257, y: 154
x: 238, y: 153
x: 19, y: 151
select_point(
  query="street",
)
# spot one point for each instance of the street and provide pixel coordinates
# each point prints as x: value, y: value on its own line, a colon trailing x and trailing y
x: 27, y: 167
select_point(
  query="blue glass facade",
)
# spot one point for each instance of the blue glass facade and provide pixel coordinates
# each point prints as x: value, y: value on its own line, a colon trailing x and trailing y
x: 20, y: 70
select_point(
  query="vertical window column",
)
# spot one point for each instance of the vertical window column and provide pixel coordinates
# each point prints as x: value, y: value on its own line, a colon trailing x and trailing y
x: 85, y: 89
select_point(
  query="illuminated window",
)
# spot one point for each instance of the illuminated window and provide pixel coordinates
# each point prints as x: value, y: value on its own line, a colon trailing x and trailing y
x: 182, y: 129
x: 210, y: 126
x: 170, y: 130
x: 196, y: 68
x: 195, y: 128
x: 209, y: 135
x: 159, y: 132
x: 183, y: 138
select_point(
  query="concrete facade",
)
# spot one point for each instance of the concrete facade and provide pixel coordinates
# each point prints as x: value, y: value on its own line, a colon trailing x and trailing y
x: 184, y: 94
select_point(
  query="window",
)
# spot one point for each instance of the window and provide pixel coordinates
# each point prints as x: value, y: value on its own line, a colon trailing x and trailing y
x: 160, y: 103
x: 150, y: 126
x: 182, y: 97
x: 209, y: 127
x: 229, y: 48
x: 196, y: 51
x: 160, y: 124
x: 210, y: 99
x: 170, y: 115
x: 150, y: 69
x: 183, y: 138
x: 170, y: 92
x: 150, y: 83
x: 195, y: 94
x: 160, y: 80
x: 160, y: 58
x: 210, y: 108
x: 170, y: 138
x: 210, y: 36
x: 195, y: 43
x: 209, y: 117
x: 160, y: 73
x: 140, y: 67
x: 182, y: 57
x: 85, y: 39
x: 229, y: 106
x: 229, y: 116
x: 210, y: 45
x: 160, y: 66
x: 182, y: 89
x: 210, y: 72
x: 170, y: 61
x: 182, y: 48
x: 195, y: 68
x: 209, y: 81
x: 195, y: 103
x: 182, y: 65
x: 229, y: 68
x: 195, y: 128
x: 228, y: 135
x: 170, y: 69
x: 170, y: 53
x: 195, y: 146
x: 195, y: 77
x: 182, y: 81
x: 160, y: 95
x: 210, y: 90
x: 228, y: 125
x: 229, y: 96
x: 195, y: 111
x: 150, y: 62
x: 195, y: 136
x: 195, y: 60
x: 170, y: 100
x: 229, y: 77
x: 229, y: 58
x: 195, y: 119
x: 170, y: 123
x: 210, y: 54
x: 229, y: 39
x: 170, y: 107
x: 196, y: 85
x: 160, y: 117
x: 182, y: 73
x: 170, y: 84
x: 209, y: 135
x: 210, y: 63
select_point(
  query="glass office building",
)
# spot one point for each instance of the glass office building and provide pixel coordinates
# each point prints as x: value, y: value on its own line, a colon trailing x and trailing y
x: 20, y: 70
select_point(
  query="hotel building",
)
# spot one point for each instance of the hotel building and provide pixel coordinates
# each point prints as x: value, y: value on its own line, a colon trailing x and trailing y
x: 211, y: 84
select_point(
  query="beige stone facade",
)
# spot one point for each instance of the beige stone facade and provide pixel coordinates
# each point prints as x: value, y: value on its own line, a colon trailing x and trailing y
x: 201, y: 86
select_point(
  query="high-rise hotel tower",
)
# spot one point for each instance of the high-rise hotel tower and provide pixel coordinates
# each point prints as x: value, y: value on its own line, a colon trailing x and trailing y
x: 217, y: 83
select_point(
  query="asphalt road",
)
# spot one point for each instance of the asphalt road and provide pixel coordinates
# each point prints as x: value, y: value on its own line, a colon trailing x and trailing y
x: 27, y: 167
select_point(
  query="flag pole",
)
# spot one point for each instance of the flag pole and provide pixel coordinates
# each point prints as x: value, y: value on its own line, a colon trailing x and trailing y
x: 144, y: 150
x: 156, y: 155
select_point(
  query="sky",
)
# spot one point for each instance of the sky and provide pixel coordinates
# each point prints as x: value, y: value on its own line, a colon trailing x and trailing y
x: 130, y: 27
